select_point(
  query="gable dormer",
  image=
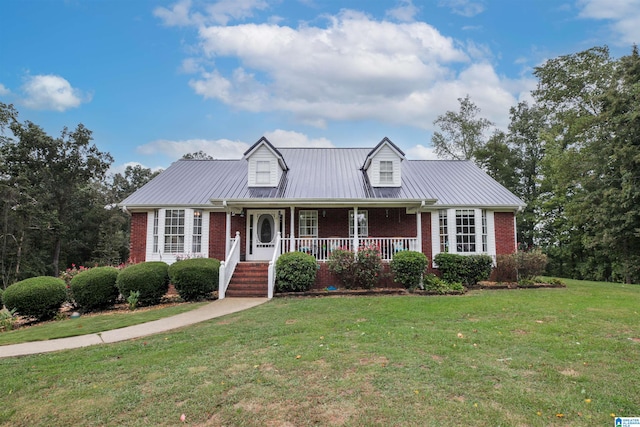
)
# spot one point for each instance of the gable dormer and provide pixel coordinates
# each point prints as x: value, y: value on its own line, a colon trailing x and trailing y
x: 266, y: 164
x: 382, y: 165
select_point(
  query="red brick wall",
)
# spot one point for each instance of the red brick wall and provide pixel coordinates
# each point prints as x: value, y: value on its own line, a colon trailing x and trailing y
x: 426, y: 237
x: 217, y: 228
x: 505, y: 238
x: 138, y: 245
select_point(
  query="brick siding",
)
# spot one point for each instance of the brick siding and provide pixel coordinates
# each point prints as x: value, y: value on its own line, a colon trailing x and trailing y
x: 138, y: 230
x: 505, y: 238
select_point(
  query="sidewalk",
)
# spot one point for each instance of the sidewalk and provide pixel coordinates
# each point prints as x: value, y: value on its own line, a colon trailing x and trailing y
x: 215, y: 309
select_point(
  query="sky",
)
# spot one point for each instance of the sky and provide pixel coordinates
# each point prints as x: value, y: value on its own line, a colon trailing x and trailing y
x: 154, y: 80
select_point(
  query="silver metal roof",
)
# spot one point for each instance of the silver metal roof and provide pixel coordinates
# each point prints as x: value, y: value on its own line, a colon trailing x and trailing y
x: 323, y: 175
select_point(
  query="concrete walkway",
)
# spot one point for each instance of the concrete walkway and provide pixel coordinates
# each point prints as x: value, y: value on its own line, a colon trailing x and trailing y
x: 215, y: 309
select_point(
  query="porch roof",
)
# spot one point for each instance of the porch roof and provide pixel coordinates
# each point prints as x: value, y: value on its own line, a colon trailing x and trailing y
x: 322, y: 175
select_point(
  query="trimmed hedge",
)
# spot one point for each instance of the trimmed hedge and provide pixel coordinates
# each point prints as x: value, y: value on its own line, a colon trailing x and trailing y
x: 466, y: 269
x: 39, y: 297
x: 408, y: 267
x: 95, y: 288
x: 295, y: 272
x: 195, y: 278
x: 151, y: 279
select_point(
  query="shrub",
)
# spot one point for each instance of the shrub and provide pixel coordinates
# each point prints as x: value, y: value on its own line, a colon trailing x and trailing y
x: 436, y: 285
x: 38, y: 297
x: 295, y: 272
x: 1, y: 300
x: 342, y: 263
x: 466, y: 269
x: 408, y: 267
x: 195, y: 278
x: 95, y: 288
x: 530, y: 264
x: 368, y: 267
x: 506, y: 268
x: 151, y: 279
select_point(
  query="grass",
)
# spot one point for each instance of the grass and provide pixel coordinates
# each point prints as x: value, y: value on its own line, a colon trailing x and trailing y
x: 91, y: 324
x: 534, y: 357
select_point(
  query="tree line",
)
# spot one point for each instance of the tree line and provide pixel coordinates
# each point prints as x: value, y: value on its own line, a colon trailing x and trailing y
x: 573, y: 155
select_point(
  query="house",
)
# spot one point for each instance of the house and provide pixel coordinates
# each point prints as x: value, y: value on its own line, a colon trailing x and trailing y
x: 275, y: 200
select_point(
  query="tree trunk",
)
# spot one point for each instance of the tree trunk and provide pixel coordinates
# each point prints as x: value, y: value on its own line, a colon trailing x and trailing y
x: 56, y: 257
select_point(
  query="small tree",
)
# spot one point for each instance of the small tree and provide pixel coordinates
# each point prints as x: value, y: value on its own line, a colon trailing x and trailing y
x: 408, y: 267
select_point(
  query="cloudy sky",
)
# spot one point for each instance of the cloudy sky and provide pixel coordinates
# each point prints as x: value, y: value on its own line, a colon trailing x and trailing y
x: 157, y: 79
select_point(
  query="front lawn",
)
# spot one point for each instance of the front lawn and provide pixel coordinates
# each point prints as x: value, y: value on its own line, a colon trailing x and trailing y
x: 533, y: 357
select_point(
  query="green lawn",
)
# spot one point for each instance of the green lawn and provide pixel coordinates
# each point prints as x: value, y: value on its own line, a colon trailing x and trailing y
x: 91, y: 324
x: 566, y: 357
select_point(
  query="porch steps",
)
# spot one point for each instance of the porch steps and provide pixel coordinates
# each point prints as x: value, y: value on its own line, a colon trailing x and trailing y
x: 250, y: 279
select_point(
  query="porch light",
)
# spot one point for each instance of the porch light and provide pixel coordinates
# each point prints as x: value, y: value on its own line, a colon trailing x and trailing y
x: 324, y: 213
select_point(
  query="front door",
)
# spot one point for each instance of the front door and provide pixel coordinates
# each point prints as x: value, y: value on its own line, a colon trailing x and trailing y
x: 262, y: 228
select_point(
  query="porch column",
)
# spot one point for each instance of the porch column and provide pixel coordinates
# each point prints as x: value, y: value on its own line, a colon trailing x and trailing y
x: 227, y: 240
x: 356, y: 238
x: 419, y: 230
x: 292, y: 230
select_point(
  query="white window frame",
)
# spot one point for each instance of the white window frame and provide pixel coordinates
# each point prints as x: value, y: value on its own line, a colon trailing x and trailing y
x: 363, y: 223
x: 174, y: 231
x: 156, y: 221
x: 466, y: 231
x: 386, y: 172
x: 194, y: 230
x: 263, y: 172
x: 196, y: 235
x: 308, y: 223
x: 443, y: 230
x: 484, y: 231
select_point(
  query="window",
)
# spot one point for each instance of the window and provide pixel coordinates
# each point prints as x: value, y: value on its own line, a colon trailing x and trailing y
x: 263, y: 172
x: 386, y: 172
x: 308, y: 224
x: 174, y: 231
x: 465, y: 230
x: 444, y: 231
x: 484, y: 231
x: 156, y: 215
x: 363, y: 224
x: 196, y: 242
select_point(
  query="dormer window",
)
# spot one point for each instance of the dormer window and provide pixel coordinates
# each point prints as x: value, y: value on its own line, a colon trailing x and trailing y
x: 386, y: 172
x: 263, y: 172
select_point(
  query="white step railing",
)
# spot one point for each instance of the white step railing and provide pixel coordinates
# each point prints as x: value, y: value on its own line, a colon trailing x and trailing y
x: 277, y: 250
x: 228, y: 266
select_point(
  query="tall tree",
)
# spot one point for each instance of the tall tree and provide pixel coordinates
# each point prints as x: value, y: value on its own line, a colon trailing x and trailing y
x: 198, y: 155
x: 461, y: 134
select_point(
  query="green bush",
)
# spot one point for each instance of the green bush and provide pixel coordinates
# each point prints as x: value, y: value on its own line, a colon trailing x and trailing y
x: 295, y: 272
x: 368, y: 267
x: 151, y: 279
x: 466, y: 269
x: 195, y: 278
x: 506, y: 268
x: 1, y: 300
x: 408, y: 267
x: 530, y: 264
x: 436, y: 285
x: 95, y: 288
x: 342, y: 263
x: 38, y: 297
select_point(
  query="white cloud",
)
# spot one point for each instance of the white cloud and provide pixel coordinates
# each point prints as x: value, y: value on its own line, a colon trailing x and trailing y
x: 404, y: 12
x: 353, y: 68
x: 51, y: 92
x: 420, y: 152
x: 220, y: 12
x: 467, y: 8
x: 4, y: 90
x: 287, y: 138
x: 218, y: 149
x: 623, y: 14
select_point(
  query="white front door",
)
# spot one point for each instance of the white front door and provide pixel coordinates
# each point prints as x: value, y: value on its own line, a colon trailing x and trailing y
x: 262, y: 228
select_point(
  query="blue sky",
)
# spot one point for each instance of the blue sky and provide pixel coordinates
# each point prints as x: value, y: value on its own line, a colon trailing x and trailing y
x: 156, y: 79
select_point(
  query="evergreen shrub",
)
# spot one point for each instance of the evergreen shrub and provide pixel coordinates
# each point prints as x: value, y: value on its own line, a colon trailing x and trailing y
x: 295, y: 272
x: 466, y: 269
x: 150, y: 278
x: 195, y: 278
x: 408, y: 267
x: 38, y: 297
x: 95, y: 288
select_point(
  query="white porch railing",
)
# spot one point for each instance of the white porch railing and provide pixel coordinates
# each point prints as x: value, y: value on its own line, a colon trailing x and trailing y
x: 321, y: 248
x: 228, y: 266
x: 277, y: 250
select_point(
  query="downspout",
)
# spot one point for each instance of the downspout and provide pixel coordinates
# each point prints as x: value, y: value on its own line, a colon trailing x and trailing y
x: 419, y: 226
x: 227, y: 229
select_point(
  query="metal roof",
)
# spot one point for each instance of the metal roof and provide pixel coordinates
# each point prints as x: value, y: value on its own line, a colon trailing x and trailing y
x: 323, y: 175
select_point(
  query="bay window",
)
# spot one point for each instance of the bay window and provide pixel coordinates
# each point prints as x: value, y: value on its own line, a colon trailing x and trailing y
x: 463, y: 231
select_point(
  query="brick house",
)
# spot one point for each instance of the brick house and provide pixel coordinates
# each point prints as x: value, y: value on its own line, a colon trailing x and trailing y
x: 246, y: 212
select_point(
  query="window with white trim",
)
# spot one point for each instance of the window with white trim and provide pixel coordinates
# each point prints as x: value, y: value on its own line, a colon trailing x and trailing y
x: 174, y: 231
x: 308, y: 224
x: 465, y: 230
x: 156, y: 219
x: 386, y: 172
x: 363, y: 224
x: 444, y: 230
x: 484, y: 231
x: 196, y: 239
x: 263, y: 172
